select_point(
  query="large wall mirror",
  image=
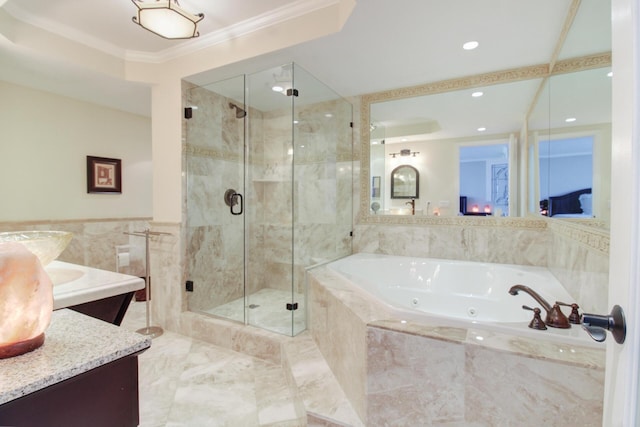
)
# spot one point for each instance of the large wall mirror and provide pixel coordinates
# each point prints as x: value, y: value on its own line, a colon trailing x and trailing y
x: 522, y: 111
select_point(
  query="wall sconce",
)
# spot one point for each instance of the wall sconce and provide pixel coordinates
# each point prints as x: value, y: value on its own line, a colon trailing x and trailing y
x: 404, y: 152
x: 167, y: 19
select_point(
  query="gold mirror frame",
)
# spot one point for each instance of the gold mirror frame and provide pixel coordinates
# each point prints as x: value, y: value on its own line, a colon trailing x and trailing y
x: 480, y: 80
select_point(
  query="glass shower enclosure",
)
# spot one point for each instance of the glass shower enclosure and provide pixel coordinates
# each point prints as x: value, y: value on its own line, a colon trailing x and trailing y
x: 268, y: 161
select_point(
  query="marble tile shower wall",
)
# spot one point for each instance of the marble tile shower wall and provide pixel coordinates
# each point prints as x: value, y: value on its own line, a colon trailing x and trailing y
x: 94, y: 241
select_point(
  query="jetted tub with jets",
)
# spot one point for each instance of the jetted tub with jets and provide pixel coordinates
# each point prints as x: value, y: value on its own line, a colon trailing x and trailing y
x: 457, y: 291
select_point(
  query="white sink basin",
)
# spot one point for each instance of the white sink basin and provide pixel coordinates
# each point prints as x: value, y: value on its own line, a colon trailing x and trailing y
x: 60, y: 276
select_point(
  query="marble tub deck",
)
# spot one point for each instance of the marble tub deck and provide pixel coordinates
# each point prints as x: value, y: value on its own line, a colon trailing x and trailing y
x: 187, y: 382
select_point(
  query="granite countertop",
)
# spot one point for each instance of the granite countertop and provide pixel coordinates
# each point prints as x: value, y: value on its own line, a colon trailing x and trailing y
x: 74, y: 344
x: 76, y: 284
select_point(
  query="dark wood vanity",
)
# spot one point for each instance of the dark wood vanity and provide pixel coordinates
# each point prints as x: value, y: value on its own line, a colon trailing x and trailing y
x: 85, y: 374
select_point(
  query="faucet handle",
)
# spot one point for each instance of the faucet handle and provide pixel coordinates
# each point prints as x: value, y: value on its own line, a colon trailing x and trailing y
x: 536, y: 322
x: 575, y: 317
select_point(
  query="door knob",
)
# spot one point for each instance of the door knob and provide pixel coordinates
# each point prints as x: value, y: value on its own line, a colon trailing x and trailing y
x: 596, y: 325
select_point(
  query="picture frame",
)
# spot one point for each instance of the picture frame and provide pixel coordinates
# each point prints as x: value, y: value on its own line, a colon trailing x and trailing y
x: 104, y: 175
x: 375, y: 186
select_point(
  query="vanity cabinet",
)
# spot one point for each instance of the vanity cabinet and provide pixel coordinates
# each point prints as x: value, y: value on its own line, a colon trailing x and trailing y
x: 104, y: 396
x: 85, y: 374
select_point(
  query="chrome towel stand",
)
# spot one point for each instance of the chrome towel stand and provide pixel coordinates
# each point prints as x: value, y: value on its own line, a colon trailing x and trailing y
x: 152, y: 331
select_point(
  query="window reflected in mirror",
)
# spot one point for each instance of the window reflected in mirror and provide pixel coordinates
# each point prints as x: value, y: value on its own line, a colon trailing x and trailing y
x: 484, y: 180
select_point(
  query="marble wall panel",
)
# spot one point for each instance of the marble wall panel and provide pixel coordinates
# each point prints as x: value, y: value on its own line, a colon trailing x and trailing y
x: 94, y: 240
x: 413, y: 380
x: 579, y: 258
x: 504, y: 245
x: 503, y: 389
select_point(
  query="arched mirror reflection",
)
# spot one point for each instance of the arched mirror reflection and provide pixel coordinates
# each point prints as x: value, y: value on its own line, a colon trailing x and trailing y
x: 405, y: 182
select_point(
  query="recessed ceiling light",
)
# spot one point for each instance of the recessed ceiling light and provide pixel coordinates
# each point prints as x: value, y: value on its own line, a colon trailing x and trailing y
x: 481, y: 129
x: 477, y: 94
x: 470, y: 45
x: 570, y: 119
x: 610, y: 74
x: 328, y: 115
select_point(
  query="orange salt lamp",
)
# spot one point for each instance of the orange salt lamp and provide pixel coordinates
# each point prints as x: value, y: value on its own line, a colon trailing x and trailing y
x: 26, y: 300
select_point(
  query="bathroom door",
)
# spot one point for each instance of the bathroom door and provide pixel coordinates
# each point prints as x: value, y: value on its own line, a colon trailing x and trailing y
x: 623, y: 370
x: 215, y: 198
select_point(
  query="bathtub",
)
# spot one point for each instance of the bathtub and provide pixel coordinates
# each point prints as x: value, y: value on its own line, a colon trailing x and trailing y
x: 457, y: 292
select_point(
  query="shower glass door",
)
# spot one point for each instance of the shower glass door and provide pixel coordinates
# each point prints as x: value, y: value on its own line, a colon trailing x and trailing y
x: 278, y: 145
x: 215, y: 166
x: 299, y: 177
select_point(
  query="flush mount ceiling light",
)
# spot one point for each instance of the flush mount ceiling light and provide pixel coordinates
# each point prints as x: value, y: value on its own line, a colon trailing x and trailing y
x: 470, y: 45
x: 167, y: 19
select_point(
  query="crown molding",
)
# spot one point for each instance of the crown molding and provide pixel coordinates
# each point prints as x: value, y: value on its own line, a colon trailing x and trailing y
x: 63, y: 31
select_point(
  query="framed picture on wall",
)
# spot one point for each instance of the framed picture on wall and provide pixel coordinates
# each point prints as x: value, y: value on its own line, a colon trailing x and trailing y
x: 104, y: 175
x: 375, y: 186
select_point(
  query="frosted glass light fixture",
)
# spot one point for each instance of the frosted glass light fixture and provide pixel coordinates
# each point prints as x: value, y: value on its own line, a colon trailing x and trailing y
x: 167, y: 19
x: 470, y: 45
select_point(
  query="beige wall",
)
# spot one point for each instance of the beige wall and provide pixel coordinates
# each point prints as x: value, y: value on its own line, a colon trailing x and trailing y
x: 45, y: 139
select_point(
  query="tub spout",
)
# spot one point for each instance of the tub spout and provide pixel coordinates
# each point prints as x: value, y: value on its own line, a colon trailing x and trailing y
x: 555, y: 317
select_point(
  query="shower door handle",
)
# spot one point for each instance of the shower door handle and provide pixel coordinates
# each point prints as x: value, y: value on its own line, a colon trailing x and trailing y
x: 235, y: 198
x: 231, y: 199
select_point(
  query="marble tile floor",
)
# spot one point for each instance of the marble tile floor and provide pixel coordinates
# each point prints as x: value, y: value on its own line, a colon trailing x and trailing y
x: 266, y: 309
x: 186, y: 382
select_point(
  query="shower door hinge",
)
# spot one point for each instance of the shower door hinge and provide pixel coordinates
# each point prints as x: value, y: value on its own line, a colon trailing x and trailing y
x: 189, y: 285
x: 292, y: 92
x: 350, y: 124
x: 188, y: 112
x: 351, y: 234
x: 292, y: 307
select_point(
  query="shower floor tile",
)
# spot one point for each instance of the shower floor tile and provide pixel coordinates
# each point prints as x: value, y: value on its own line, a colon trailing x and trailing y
x: 266, y: 309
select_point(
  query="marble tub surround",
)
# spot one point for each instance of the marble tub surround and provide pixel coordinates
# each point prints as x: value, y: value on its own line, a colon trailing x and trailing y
x: 413, y: 380
x: 411, y: 372
x: 74, y: 344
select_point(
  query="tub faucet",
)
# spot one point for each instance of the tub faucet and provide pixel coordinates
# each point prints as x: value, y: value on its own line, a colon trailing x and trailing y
x: 413, y: 206
x: 555, y: 316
